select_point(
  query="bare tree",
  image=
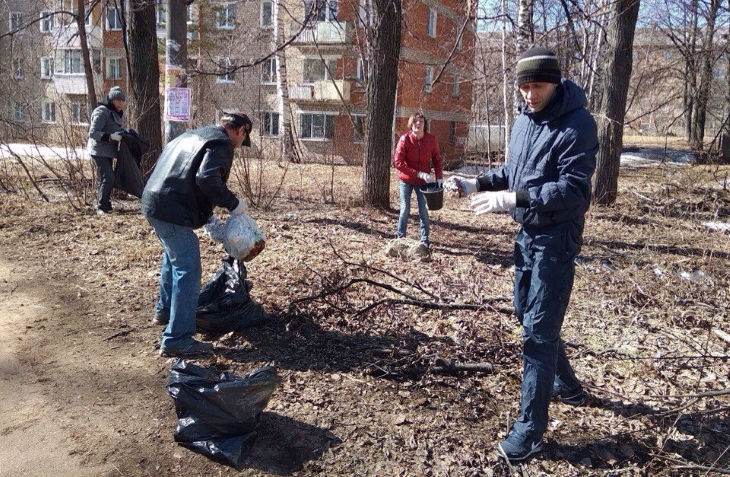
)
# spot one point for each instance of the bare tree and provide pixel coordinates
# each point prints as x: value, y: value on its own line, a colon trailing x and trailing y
x: 384, y: 40
x: 620, y: 38
x: 88, y: 70
x: 707, y: 62
x: 144, y: 73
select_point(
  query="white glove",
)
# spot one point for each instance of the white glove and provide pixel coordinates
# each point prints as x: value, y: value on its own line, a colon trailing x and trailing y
x: 493, y: 201
x: 427, y: 178
x: 115, y: 136
x: 214, y: 229
x: 461, y: 186
x: 240, y: 209
x: 439, y: 183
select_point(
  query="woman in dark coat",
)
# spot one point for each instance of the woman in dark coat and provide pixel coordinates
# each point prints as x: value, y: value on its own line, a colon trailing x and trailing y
x: 105, y: 132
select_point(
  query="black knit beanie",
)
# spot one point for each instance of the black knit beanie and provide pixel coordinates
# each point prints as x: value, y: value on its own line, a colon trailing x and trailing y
x: 538, y: 64
x: 115, y: 93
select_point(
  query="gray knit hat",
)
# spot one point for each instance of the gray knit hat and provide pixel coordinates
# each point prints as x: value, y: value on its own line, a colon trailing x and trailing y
x: 538, y: 64
x: 116, y: 93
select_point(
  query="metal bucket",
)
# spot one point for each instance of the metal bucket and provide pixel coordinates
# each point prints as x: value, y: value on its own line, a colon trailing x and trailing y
x: 434, y: 196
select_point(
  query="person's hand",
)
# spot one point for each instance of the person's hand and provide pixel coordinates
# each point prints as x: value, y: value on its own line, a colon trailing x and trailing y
x: 115, y: 136
x: 493, y: 201
x: 427, y: 178
x: 214, y: 229
x: 240, y: 209
x: 439, y: 183
x: 461, y: 186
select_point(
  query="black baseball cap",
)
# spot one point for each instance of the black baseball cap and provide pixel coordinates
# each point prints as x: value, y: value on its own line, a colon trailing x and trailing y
x: 238, y: 120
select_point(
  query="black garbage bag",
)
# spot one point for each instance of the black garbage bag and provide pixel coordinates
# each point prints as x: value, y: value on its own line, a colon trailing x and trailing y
x: 218, y: 413
x: 127, y: 173
x: 224, y: 303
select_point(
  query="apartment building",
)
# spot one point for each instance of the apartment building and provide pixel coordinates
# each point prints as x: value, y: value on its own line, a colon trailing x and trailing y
x: 231, y: 65
x: 45, y: 91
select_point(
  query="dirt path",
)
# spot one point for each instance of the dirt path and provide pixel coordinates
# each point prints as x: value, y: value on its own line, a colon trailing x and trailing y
x: 33, y: 439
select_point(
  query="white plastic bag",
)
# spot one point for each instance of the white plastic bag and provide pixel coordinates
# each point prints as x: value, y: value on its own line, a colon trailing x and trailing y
x: 244, y: 241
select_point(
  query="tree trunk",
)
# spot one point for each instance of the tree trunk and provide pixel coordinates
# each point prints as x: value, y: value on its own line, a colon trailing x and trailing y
x: 385, y: 39
x: 286, y: 136
x: 618, y: 73
x: 145, y: 78
x: 703, y: 93
x: 523, y: 40
x: 176, y: 58
x: 88, y: 70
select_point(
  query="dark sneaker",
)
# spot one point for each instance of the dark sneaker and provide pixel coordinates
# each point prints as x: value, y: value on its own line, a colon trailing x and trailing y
x: 573, y: 398
x: 161, y: 319
x: 426, y: 243
x: 196, y: 348
x: 513, y: 449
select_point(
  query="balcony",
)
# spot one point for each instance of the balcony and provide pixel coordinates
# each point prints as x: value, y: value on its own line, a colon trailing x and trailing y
x: 320, y: 91
x: 324, y: 33
x: 70, y: 84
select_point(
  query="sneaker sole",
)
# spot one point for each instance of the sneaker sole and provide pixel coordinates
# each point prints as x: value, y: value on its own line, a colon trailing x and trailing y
x: 503, y: 454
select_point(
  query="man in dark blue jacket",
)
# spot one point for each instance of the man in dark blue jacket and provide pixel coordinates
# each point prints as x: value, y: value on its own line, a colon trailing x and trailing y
x: 189, y: 179
x: 546, y: 186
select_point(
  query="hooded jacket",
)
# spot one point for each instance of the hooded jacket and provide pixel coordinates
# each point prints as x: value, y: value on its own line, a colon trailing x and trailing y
x: 413, y: 155
x: 552, y: 160
x: 190, y: 178
x: 105, y: 120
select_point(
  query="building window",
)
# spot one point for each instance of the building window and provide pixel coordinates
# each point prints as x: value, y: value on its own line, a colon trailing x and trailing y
x: 225, y: 16
x: 113, y: 19
x: 114, y: 68
x: 269, y: 124
x: 226, y: 71
x: 321, y: 10
x: 78, y: 113
x: 359, y: 128
x: 316, y: 126
x: 452, y: 133
x: 70, y: 62
x: 267, y: 14
x: 315, y: 69
x: 19, y: 113
x: 431, y: 26
x: 366, y: 13
x: 46, y: 67
x: 455, y: 86
x: 268, y: 71
x: 427, y: 86
x: 18, y: 68
x: 161, y: 13
x: 362, y: 70
x: 16, y: 21
x: 47, y: 22
x: 48, y: 113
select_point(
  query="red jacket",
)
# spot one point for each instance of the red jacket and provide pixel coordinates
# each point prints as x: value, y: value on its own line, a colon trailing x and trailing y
x: 413, y: 156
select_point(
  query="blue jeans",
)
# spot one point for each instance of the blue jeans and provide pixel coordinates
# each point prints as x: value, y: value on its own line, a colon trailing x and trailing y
x: 106, y: 181
x: 405, y: 210
x: 544, y: 271
x: 179, y: 281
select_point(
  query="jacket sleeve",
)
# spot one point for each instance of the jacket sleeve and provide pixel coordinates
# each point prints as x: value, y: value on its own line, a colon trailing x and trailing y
x: 495, y: 179
x: 213, y: 174
x: 576, y: 162
x: 400, y: 159
x: 99, y: 117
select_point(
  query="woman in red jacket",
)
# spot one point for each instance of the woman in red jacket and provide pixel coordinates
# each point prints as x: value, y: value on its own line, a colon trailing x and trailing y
x: 416, y: 152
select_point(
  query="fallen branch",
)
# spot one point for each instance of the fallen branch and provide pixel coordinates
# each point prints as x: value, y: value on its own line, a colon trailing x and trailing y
x: 721, y: 334
x: 117, y: 335
x: 684, y: 465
